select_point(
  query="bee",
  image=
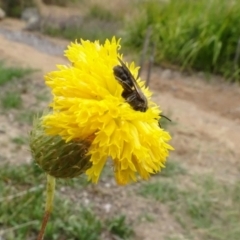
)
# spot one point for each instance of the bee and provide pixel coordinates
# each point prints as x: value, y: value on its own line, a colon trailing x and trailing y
x: 132, y: 93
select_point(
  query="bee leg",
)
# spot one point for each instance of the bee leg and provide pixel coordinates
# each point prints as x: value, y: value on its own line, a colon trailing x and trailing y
x: 131, y: 97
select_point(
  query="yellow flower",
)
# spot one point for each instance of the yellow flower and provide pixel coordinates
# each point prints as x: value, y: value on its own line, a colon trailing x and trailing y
x: 88, y: 104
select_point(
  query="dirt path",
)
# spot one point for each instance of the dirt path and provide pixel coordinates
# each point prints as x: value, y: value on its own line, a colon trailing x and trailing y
x: 28, y: 54
x: 207, y: 114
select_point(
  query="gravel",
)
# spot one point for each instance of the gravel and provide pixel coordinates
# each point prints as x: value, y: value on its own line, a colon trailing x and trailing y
x: 33, y: 40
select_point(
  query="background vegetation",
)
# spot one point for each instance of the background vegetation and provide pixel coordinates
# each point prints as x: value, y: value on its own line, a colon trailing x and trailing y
x: 97, y: 23
x: 14, y: 8
x: 206, y: 209
x: 201, y: 35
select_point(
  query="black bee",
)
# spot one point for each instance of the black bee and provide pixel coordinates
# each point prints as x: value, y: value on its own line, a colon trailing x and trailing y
x: 132, y: 93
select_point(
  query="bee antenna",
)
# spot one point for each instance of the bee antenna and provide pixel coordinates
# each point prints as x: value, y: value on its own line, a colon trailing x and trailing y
x: 165, y: 117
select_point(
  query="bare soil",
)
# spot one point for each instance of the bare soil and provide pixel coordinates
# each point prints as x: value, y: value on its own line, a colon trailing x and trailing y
x: 206, y: 129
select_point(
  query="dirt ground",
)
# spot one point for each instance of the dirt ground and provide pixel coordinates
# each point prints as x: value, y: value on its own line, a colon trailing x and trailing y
x: 205, y: 113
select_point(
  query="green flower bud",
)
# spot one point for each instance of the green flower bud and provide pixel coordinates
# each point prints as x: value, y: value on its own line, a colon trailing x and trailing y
x: 56, y: 157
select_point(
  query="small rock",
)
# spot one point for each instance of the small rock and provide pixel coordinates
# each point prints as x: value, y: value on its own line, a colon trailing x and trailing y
x: 176, y: 74
x: 107, y: 207
x: 167, y: 74
x: 28, y: 13
x: 33, y: 23
x: 2, y: 14
x: 201, y: 75
x: 32, y: 17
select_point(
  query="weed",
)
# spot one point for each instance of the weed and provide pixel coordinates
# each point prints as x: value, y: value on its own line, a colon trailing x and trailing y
x: 43, y: 96
x: 21, y: 140
x: 236, y: 192
x: 21, y: 208
x: 186, y: 37
x: 81, y: 223
x: 172, y: 169
x: 96, y: 11
x: 89, y: 31
x: 119, y: 227
x: 27, y: 116
x: 176, y: 238
x: 209, y: 209
x: 9, y: 73
x: 199, y: 209
x: 98, y: 24
x: 146, y: 217
x: 161, y: 190
x: 11, y: 100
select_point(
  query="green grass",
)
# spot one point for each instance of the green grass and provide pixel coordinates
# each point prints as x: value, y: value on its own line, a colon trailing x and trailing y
x: 21, y: 140
x: 118, y: 226
x: 22, y: 191
x: 85, y: 32
x: 98, y: 23
x: 165, y: 190
x: 29, y: 206
x: 205, y: 208
x: 186, y: 37
x: 97, y: 11
x: 146, y: 217
x: 11, y: 100
x: 9, y: 73
x: 26, y: 116
x: 209, y: 209
x: 161, y: 191
x: 43, y: 96
x: 172, y: 169
x: 14, y: 8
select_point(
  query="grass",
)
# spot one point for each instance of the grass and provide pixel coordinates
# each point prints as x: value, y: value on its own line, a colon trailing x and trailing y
x: 161, y: 191
x: 207, y: 210
x: 146, y: 217
x: 26, y: 116
x: 119, y: 227
x: 187, y: 38
x: 166, y: 190
x: 11, y: 82
x: 43, y: 96
x: 14, y: 8
x: 97, y: 11
x: 98, y: 23
x: 89, y: 32
x: 172, y: 169
x: 22, y: 203
x: 11, y: 100
x: 10, y: 73
x: 21, y: 140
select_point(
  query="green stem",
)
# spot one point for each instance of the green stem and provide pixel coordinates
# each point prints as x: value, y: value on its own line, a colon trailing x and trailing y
x: 48, y: 206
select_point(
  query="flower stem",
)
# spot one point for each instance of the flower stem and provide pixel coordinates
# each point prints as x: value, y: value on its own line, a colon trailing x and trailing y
x: 48, y: 206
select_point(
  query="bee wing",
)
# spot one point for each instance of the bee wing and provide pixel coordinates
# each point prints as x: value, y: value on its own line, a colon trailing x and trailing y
x: 124, y: 84
x: 133, y: 81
